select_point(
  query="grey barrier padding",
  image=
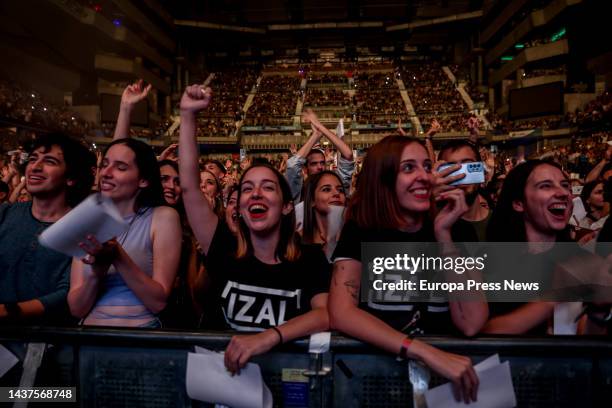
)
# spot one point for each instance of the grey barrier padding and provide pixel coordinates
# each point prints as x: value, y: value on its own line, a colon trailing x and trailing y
x: 552, y: 371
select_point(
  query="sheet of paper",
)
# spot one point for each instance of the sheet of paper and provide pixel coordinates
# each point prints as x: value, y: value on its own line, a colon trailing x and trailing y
x: 319, y: 342
x: 495, y: 390
x: 208, y: 380
x: 7, y: 360
x: 578, y: 213
x: 96, y: 215
x: 335, y: 221
x: 299, y: 215
x: 565, y: 316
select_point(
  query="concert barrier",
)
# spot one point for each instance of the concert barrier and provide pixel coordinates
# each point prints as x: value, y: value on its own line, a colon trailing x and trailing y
x: 146, y: 368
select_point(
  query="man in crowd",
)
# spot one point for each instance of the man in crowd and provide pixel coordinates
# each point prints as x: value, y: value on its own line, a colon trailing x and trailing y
x: 34, y: 280
x: 314, y: 159
x: 478, y: 215
x: 215, y: 167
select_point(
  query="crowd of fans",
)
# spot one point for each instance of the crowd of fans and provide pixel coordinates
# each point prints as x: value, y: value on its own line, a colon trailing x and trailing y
x: 275, y: 101
x: 231, y: 88
x: 317, y: 97
x: 316, y: 79
x: 377, y: 99
x: 434, y: 95
x: 26, y: 106
x: 204, y: 235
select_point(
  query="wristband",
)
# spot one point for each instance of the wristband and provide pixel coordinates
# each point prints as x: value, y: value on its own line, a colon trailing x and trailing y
x: 280, y: 335
x: 403, y: 353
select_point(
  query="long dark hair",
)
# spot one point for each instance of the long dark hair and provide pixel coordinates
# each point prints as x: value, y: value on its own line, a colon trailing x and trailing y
x: 310, y: 218
x: 374, y: 205
x: 148, y: 169
x: 506, y: 224
x: 586, y: 194
x: 288, y: 248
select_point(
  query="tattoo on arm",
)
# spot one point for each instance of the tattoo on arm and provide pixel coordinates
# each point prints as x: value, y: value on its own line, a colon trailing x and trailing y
x: 350, y: 285
x: 352, y: 288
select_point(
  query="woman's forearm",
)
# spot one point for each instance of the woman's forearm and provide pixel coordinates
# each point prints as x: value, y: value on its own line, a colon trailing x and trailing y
x: 152, y: 294
x: 314, y: 321
x: 82, y: 298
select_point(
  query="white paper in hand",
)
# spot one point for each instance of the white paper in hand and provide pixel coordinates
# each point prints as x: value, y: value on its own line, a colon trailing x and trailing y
x: 96, y: 215
x: 299, y: 216
x: 208, y: 380
x: 495, y: 389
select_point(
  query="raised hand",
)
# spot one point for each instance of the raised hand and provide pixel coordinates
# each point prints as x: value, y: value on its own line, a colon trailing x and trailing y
x: 443, y: 179
x: 135, y: 93
x: 308, y: 116
x: 400, y: 130
x: 453, y: 210
x: 435, y: 126
x: 169, y: 153
x: 99, y: 256
x: 195, y: 98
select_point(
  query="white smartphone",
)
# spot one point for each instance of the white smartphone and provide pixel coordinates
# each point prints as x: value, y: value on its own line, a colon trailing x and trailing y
x: 474, y: 173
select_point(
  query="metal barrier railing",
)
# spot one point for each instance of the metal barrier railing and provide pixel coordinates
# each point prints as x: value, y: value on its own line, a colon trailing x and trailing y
x: 124, y: 367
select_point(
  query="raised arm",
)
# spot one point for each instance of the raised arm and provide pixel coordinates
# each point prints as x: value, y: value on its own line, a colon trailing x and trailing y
x: 596, y: 171
x: 347, y: 317
x: 132, y: 94
x: 202, y: 219
x: 468, y: 316
x: 433, y: 129
x: 472, y: 124
x: 342, y: 147
x: 312, y: 140
x: 296, y: 162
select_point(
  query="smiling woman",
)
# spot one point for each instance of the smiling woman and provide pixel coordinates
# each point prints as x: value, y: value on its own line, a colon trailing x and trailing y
x: 391, y: 204
x: 126, y: 281
x: 262, y: 278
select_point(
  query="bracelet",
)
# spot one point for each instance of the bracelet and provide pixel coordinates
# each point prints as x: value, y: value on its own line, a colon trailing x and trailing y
x: 403, y: 353
x: 280, y: 335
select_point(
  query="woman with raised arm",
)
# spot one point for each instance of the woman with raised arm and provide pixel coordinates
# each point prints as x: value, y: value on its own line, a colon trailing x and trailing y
x: 263, y: 279
x: 391, y: 204
x: 127, y: 281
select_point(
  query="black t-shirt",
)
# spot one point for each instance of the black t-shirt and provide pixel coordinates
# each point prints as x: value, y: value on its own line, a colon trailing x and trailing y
x: 605, y: 235
x: 410, y: 318
x: 545, y: 263
x: 250, y: 295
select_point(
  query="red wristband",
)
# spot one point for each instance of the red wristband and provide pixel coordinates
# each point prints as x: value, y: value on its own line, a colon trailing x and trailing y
x: 404, y: 348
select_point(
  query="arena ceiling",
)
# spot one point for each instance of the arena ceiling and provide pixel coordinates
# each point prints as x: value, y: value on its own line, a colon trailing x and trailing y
x: 278, y: 24
x: 264, y: 12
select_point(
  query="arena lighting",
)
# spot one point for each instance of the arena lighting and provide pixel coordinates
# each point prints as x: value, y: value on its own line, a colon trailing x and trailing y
x: 97, y: 8
x: 558, y: 34
x: 507, y: 58
x: 519, y: 46
x: 116, y: 22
